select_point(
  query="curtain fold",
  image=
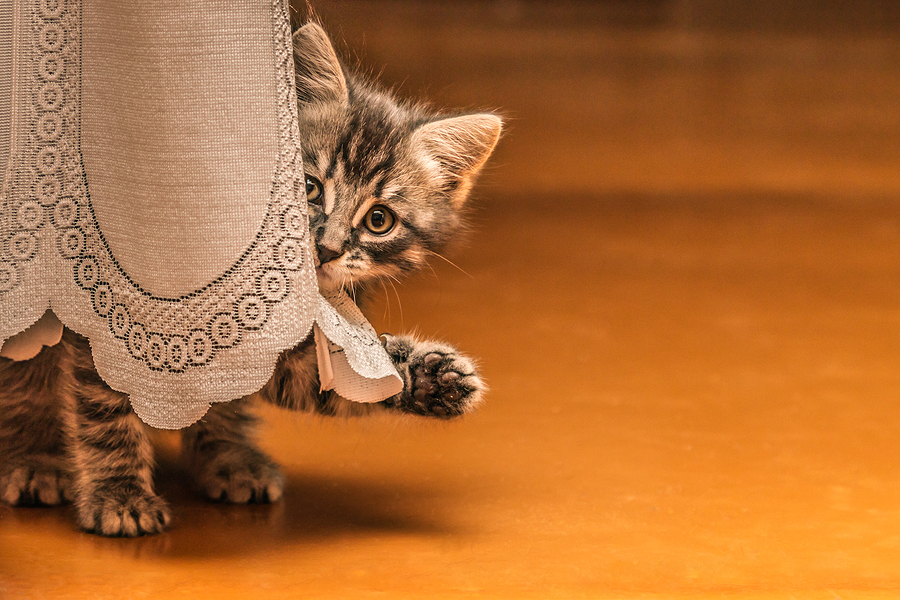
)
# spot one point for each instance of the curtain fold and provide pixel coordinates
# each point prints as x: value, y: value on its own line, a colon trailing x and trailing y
x: 153, y: 198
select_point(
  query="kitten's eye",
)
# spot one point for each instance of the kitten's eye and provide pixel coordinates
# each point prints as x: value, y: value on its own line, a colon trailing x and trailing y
x: 379, y: 220
x: 314, y: 193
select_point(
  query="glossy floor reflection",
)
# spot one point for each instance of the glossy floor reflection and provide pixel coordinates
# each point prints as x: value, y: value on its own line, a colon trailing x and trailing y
x: 692, y: 341
x: 690, y: 399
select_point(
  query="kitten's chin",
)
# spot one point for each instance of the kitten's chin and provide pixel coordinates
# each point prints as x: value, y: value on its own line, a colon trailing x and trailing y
x: 327, y: 281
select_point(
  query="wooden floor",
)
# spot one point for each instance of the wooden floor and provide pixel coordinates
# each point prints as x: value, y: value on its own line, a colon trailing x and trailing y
x: 684, y: 286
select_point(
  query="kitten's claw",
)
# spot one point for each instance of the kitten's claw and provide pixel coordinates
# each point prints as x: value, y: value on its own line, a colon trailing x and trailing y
x: 439, y: 381
x: 125, y: 513
x: 241, y: 476
x: 39, y: 482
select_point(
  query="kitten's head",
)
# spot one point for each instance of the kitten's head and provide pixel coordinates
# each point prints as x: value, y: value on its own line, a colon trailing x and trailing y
x: 386, y: 181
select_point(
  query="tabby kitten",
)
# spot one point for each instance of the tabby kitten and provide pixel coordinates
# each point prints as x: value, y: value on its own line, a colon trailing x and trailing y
x: 386, y: 183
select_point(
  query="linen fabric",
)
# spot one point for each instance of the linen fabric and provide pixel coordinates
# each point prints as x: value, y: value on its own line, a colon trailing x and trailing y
x: 153, y: 198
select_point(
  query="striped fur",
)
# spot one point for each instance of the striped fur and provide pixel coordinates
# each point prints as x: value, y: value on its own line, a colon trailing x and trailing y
x: 34, y: 468
x: 65, y: 435
x: 369, y: 150
x: 110, y: 453
x: 226, y: 466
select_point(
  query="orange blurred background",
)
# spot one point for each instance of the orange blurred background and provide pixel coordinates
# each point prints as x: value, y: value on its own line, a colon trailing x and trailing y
x: 682, y: 284
x: 666, y: 96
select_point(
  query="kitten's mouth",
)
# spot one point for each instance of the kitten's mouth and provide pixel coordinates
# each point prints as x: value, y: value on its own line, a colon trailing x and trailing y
x: 323, y: 272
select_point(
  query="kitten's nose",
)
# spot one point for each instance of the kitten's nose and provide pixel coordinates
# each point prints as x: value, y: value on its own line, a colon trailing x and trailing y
x: 326, y: 254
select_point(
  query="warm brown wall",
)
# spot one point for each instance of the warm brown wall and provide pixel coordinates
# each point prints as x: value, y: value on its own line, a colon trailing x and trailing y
x: 678, y: 96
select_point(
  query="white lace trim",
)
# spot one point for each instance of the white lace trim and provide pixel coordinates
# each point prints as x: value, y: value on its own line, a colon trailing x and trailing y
x: 346, y: 344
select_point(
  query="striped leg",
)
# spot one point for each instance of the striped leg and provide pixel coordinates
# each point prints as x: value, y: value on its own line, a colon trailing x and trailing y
x: 33, y: 465
x: 295, y: 386
x: 112, y: 457
x: 225, y: 463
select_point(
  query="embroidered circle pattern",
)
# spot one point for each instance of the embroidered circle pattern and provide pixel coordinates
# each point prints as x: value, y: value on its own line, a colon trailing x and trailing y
x: 166, y: 335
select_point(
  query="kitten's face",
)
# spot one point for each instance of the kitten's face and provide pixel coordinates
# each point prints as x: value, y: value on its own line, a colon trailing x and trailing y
x: 375, y: 210
x: 385, y: 181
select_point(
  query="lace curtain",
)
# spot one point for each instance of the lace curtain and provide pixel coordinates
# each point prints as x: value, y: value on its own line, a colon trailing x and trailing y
x: 153, y: 199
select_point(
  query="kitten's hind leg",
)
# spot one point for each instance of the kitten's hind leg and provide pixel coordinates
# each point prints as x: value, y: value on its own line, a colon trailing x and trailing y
x: 33, y: 465
x: 112, y: 456
x: 224, y: 461
x: 438, y: 380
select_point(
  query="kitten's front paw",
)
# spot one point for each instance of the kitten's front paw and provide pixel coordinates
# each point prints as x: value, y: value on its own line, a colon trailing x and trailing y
x: 438, y: 380
x: 37, y: 481
x: 241, y: 475
x: 126, y: 512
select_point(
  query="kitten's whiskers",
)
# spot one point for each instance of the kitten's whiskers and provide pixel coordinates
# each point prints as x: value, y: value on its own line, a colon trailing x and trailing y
x: 352, y: 288
x: 383, y: 276
x: 387, y: 301
x: 450, y: 262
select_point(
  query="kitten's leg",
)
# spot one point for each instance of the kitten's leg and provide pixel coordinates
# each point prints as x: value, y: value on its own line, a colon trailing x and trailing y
x: 224, y: 461
x: 438, y: 381
x: 33, y: 465
x: 112, y: 457
x: 295, y: 386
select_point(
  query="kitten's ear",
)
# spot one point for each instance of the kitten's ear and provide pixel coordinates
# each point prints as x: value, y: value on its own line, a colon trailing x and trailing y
x: 319, y: 75
x: 460, y: 145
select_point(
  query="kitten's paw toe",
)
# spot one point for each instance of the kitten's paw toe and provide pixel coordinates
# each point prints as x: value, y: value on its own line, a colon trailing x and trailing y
x: 40, y: 482
x: 242, y: 476
x: 441, y: 383
x: 128, y: 512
